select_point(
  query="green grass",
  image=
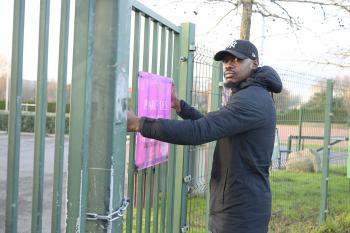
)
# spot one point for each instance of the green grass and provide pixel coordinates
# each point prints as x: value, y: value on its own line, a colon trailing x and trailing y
x: 296, y: 199
x: 295, y: 204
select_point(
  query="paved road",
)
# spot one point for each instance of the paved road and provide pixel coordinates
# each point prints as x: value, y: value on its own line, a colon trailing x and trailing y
x: 26, y: 182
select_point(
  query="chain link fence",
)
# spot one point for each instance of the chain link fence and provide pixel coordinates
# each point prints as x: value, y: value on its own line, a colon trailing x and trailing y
x: 296, y: 173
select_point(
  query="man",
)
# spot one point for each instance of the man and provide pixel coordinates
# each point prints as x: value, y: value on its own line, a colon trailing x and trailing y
x: 240, y: 197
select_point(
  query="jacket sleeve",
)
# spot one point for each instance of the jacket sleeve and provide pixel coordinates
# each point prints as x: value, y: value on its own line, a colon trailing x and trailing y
x: 188, y: 112
x: 237, y: 116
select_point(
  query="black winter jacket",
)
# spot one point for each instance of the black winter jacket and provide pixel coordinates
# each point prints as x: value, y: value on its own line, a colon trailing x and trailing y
x: 240, y: 197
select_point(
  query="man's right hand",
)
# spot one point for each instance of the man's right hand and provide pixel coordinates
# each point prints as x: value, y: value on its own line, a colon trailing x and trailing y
x: 133, y: 122
x: 175, y: 102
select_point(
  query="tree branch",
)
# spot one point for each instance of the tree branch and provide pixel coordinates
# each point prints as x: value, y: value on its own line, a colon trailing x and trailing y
x: 261, y: 9
x: 220, y: 20
x: 291, y: 19
x: 326, y: 62
x: 332, y: 3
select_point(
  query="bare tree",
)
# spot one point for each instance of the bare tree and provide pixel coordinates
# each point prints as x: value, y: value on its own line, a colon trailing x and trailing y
x: 342, y: 89
x: 277, y: 10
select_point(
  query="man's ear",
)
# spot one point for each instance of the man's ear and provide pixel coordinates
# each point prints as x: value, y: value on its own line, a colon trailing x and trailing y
x: 255, y: 64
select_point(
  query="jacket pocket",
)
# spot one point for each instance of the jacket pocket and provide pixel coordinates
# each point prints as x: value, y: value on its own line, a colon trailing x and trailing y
x: 224, y: 186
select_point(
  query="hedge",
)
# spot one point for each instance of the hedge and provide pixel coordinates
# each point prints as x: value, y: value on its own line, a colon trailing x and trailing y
x: 2, y: 104
x: 339, y: 116
x: 28, y: 119
x: 51, y: 107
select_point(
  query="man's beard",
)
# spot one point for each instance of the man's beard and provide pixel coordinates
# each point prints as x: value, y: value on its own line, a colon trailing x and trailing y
x: 230, y: 85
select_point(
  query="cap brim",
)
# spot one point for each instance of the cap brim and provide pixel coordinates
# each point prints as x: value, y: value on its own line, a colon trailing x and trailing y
x: 219, y: 56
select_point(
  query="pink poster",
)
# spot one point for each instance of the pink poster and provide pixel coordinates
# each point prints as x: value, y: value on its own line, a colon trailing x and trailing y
x: 154, y: 100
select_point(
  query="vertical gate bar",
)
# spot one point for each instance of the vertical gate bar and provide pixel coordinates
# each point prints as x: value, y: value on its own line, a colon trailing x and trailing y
x: 326, y: 149
x: 122, y: 57
x: 185, y: 84
x: 40, y: 118
x: 139, y: 201
x: 170, y: 54
x: 14, y: 119
x: 187, y: 40
x: 140, y: 174
x: 144, y: 174
x: 80, y: 114
x: 155, y: 47
x: 189, y: 44
x: 162, y: 51
x: 289, y: 145
x: 172, y: 151
x: 156, y: 198
x: 149, y: 172
x: 158, y: 168
x: 61, y: 101
x: 131, y: 167
x: 165, y: 191
x: 215, y: 106
x: 301, y: 113
x: 164, y: 167
x: 146, y: 40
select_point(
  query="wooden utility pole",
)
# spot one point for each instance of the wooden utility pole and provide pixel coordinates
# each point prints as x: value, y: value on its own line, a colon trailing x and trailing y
x: 246, y: 19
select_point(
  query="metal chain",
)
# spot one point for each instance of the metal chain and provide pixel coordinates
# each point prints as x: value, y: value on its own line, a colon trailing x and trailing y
x: 120, y: 212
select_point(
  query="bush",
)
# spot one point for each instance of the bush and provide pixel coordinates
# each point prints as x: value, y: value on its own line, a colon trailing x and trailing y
x: 3, y: 121
x: 2, y: 104
x: 28, y: 120
x: 51, y: 107
x: 310, y: 115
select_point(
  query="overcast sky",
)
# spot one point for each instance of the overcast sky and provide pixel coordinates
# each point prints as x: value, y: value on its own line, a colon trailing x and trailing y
x: 282, y: 45
x: 279, y: 45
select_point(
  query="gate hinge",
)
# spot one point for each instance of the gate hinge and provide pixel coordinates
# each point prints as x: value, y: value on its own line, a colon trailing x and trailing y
x: 185, y: 228
x: 188, y: 178
x: 192, y: 48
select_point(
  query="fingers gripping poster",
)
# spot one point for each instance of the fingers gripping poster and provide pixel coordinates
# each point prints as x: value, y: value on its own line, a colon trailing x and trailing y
x: 154, y: 100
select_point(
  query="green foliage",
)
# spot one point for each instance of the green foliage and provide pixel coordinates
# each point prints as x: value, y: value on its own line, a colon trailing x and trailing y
x: 313, y: 110
x: 296, y: 203
x: 2, y: 104
x: 28, y: 121
x: 3, y: 121
x: 284, y: 100
x: 51, y: 107
x: 310, y: 115
x: 337, y: 224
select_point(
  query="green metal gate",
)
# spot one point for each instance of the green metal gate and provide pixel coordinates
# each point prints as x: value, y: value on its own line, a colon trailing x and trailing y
x: 159, y: 47
x: 105, y: 193
x: 96, y: 184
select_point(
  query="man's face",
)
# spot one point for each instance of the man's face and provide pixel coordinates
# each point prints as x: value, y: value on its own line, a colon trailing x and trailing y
x: 236, y: 70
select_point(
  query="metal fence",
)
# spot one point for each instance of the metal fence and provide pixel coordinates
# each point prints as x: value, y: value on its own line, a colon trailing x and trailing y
x: 89, y: 178
x: 206, y: 96
x: 155, y: 191
x: 308, y: 172
x: 310, y: 167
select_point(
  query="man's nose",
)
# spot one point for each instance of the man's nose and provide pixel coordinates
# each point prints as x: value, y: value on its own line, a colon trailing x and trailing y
x: 229, y: 66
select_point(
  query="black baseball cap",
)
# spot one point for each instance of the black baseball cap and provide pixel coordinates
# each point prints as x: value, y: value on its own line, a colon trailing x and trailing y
x: 242, y: 49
